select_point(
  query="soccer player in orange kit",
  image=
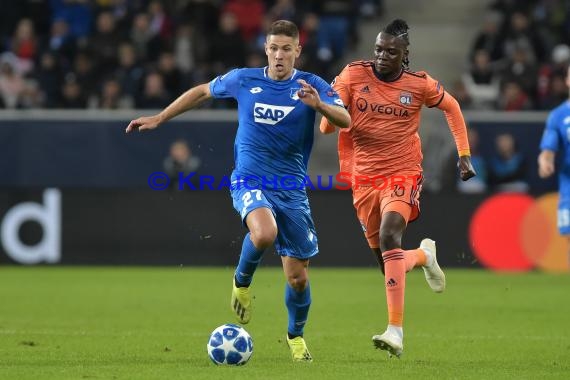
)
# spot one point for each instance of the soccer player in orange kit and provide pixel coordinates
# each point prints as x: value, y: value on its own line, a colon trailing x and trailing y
x: 381, y: 152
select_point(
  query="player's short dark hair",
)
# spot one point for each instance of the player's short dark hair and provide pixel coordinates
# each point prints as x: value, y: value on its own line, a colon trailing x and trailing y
x: 283, y: 28
x: 398, y: 28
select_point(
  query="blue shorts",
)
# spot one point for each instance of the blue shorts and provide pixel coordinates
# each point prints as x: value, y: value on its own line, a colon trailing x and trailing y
x: 296, y: 234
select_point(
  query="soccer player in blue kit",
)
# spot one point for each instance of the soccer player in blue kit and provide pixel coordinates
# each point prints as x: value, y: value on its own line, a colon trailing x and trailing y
x: 277, y: 105
x: 556, y: 138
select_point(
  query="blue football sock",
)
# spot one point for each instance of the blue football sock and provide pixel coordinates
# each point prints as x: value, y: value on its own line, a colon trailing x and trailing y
x: 298, y: 304
x: 248, y: 261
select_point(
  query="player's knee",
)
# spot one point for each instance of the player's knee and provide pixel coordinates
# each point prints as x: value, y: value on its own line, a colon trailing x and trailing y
x: 390, y: 238
x: 263, y: 237
x: 298, y: 283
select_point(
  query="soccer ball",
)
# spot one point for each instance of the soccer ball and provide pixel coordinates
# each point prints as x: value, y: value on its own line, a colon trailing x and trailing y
x: 230, y: 344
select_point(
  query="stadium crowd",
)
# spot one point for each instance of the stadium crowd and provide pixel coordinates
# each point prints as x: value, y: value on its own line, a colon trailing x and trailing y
x: 120, y: 54
x: 519, y: 58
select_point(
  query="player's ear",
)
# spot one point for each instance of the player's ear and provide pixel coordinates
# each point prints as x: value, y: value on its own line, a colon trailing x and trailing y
x: 298, y: 53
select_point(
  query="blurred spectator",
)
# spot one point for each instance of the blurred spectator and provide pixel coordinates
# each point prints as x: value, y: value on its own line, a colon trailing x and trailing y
x: 129, y: 73
x: 85, y: 73
x: 284, y: 10
x: 104, y: 43
x: 371, y: 8
x: 203, y: 15
x: 557, y: 92
x: 72, y: 95
x: 154, y: 94
x: 255, y: 59
x: 336, y: 29
x: 551, y: 19
x: 76, y: 13
x: 184, y: 48
x: 489, y: 37
x: 31, y: 96
x: 146, y: 43
x: 549, y: 78
x: 507, y: 167
x: 513, y: 98
x: 520, y: 68
x: 12, y: 84
x: 184, y: 41
x: 24, y: 45
x: 481, y: 82
x: 227, y: 46
x: 530, y: 49
x: 248, y: 15
x: 450, y: 180
x: 49, y: 77
x: 175, y: 81
x: 308, y: 38
x: 181, y: 160
x: 160, y: 22
x: 61, y: 42
x: 508, y: 7
x: 258, y: 42
x: 520, y: 35
x: 110, y: 97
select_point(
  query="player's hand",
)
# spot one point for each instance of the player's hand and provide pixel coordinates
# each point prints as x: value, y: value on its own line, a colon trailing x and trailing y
x: 545, y: 164
x: 143, y: 123
x: 308, y: 94
x: 466, y: 169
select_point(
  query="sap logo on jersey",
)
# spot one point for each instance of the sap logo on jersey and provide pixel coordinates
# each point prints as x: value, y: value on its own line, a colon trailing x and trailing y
x: 270, y: 114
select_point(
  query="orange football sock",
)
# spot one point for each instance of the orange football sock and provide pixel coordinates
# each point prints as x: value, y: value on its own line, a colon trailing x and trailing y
x: 414, y: 258
x: 395, y: 281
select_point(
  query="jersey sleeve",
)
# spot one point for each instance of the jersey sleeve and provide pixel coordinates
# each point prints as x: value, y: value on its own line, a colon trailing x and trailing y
x: 226, y: 85
x: 340, y: 87
x: 434, y: 92
x: 550, y: 137
x: 327, y: 93
x: 346, y: 154
x: 436, y: 96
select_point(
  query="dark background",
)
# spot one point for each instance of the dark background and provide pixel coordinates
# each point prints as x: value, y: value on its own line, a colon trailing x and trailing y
x: 202, y: 228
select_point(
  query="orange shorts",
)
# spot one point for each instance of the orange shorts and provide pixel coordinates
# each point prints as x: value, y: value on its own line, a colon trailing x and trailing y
x: 371, y: 202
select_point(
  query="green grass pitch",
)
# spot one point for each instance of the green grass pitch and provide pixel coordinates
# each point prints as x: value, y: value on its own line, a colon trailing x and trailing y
x: 153, y: 323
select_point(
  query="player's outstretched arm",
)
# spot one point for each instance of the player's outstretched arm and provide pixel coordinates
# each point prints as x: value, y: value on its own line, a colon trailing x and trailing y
x: 337, y: 115
x: 546, y: 163
x: 188, y: 100
x: 466, y: 169
x: 456, y: 123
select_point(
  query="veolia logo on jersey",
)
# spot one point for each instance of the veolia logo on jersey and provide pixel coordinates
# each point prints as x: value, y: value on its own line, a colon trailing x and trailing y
x: 270, y: 114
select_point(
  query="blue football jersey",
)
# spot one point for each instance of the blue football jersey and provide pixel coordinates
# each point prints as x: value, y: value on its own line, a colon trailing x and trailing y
x: 275, y: 128
x: 556, y: 137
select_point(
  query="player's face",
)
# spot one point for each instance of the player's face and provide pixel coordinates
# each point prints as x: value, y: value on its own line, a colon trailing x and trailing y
x: 281, y: 54
x: 389, y: 52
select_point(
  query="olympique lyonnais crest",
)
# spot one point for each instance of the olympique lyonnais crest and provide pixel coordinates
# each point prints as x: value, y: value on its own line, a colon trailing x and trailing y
x: 405, y: 98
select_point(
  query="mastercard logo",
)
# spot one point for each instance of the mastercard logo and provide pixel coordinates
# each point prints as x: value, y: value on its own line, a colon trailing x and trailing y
x: 516, y: 232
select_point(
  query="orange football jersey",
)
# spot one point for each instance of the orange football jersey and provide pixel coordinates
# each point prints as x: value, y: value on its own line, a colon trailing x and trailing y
x: 383, y: 136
